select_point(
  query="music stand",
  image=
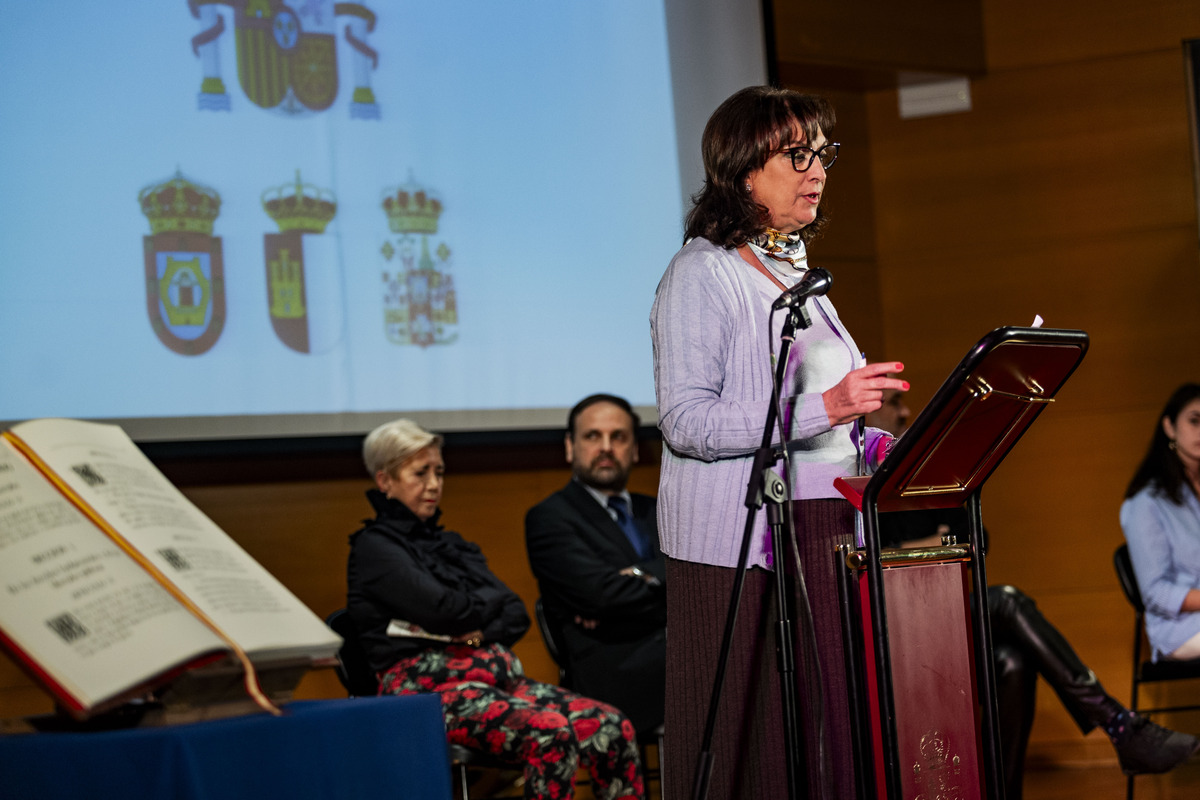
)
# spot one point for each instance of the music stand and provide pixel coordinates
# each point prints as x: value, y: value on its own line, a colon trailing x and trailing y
x: 955, y: 444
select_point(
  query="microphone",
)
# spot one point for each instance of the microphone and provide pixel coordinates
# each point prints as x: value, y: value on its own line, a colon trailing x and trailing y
x: 816, y: 282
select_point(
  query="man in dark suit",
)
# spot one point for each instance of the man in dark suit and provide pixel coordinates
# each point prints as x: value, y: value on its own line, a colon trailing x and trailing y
x: 594, y: 550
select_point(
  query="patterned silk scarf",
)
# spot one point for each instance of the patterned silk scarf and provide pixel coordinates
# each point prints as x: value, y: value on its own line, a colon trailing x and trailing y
x: 785, y: 249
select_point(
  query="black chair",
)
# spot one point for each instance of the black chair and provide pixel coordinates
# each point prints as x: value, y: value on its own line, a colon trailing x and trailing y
x: 358, y: 678
x: 353, y: 670
x: 1146, y: 670
x: 550, y: 637
x: 653, y: 738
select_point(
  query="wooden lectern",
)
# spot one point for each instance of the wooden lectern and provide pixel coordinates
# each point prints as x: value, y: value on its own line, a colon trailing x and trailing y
x: 918, y: 638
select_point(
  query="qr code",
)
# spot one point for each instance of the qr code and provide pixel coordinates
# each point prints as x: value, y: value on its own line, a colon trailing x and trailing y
x: 89, y: 474
x: 174, y: 558
x: 68, y: 627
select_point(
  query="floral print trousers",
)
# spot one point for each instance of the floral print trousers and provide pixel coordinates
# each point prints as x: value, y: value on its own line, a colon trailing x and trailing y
x: 489, y: 705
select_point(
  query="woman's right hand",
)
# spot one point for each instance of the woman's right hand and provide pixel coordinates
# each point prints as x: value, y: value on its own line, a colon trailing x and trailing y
x: 861, y: 391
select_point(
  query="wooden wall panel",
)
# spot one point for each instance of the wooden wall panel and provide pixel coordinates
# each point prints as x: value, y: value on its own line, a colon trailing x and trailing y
x: 1135, y: 294
x: 855, y: 295
x: 1063, y: 152
x: 926, y: 35
x: 847, y: 200
x: 847, y: 247
x: 1034, y: 32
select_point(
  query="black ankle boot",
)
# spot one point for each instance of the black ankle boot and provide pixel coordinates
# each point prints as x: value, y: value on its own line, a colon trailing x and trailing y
x: 1144, y: 747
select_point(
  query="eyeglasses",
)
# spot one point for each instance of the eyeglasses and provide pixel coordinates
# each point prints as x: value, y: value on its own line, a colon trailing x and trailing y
x: 802, y: 157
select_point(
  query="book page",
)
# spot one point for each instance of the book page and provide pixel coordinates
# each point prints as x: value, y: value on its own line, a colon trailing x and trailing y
x: 74, y: 603
x: 108, y: 471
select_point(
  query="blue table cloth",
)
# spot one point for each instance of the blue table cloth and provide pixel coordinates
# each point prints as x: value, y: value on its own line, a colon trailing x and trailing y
x: 355, y: 749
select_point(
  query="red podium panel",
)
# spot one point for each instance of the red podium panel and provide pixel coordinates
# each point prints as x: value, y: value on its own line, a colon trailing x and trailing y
x: 933, y: 682
x: 920, y: 657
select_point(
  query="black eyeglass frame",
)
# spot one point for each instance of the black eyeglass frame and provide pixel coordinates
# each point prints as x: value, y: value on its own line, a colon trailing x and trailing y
x: 796, y: 154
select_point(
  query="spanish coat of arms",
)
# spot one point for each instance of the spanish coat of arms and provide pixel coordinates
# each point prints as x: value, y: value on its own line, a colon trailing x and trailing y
x: 420, y: 305
x: 185, y: 272
x: 286, y: 54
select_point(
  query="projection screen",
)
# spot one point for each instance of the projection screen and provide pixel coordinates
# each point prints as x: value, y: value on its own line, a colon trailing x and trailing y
x: 251, y: 218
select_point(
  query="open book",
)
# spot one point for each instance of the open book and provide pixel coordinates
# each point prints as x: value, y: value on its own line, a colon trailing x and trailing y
x: 114, y: 583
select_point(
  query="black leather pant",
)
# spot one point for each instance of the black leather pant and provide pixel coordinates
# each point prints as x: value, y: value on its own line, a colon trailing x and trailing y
x: 1024, y: 645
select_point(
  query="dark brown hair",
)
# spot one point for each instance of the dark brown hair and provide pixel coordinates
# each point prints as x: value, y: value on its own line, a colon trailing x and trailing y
x: 1161, y: 468
x: 591, y: 400
x: 747, y: 129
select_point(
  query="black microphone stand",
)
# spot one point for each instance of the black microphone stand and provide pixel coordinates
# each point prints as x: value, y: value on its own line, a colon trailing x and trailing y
x: 764, y: 484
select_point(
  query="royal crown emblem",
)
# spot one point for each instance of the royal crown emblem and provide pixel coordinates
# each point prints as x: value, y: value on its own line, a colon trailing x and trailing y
x: 420, y: 304
x: 179, y: 205
x: 412, y: 209
x: 286, y: 54
x: 299, y: 206
x: 184, y: 270
x: 304, y: 299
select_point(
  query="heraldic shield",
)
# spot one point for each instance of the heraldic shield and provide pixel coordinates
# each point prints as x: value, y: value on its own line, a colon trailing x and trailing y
x: 304, y: 293
x: 419, y: 297
x: 286, y: 54
x: 184, y: 269
x: 287, y: 58
x: 185, y: 290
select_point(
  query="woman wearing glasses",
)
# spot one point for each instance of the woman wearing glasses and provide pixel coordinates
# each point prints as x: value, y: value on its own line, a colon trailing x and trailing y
x: 766, y: 152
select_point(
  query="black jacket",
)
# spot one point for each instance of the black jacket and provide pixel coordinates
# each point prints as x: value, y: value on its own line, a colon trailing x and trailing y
x: 402, y: 568
x: 576, y: 551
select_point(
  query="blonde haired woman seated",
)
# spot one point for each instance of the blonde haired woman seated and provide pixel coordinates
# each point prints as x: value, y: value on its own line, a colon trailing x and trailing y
x: 404, y: 566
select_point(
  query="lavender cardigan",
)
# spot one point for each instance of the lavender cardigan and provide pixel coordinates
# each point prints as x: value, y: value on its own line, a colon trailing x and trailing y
x: 712, y: 375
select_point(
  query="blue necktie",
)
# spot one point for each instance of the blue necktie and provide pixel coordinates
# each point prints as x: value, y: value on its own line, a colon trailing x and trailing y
x: 632, y: 532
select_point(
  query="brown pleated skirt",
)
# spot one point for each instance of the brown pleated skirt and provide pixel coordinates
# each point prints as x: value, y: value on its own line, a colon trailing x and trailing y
x: 748, y: 742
